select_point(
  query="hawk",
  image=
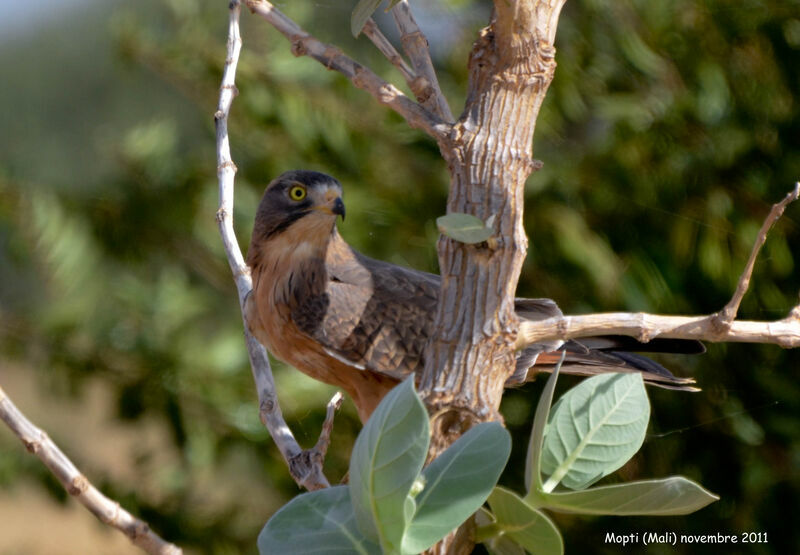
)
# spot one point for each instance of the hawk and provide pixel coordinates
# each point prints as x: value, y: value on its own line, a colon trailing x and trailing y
x: 362, y: 324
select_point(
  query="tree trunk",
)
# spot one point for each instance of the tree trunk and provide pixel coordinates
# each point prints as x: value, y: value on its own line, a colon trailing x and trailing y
x: 489, y: 158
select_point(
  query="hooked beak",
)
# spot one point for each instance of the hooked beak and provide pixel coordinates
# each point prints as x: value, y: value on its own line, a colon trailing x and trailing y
x: 338, y: 207
x: 333, y: 204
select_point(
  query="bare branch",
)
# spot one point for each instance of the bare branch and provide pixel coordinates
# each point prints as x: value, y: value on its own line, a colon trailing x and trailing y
x: 226, y: 169
x: 304, y: 44
x: 725, y: 317
x: 426, y: 85
x: 645, y: 327
x: 77, y: 485
x: 794, y: 314
x: 327, y: 427
x: 720, y: 326
x: 387, y: 49
x: 304, y: 466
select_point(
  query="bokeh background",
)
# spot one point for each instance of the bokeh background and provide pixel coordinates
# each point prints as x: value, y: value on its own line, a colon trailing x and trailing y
x: 670, y: 129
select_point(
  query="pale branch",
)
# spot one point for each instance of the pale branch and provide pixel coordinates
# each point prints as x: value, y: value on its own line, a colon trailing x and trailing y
x: 388, y: 50
x: 720, y: 326
x: 304, y: 44
x: 470, y: 351
x: 725, y: 317
x: 77, y: 485
x: 304, y: 466
x: 794, y: 314
x: 324, y: 440
x: 645, y: 327
x: 426, y: 86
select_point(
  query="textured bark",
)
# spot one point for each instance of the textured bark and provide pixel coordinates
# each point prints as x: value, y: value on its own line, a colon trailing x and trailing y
x: 489, y: 156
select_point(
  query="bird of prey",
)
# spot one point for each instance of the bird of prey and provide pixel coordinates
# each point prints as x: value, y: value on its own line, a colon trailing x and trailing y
x: 362, y: 325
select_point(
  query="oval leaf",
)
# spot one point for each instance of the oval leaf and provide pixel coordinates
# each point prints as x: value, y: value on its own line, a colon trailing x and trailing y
x: 315, y: 522
x: 528, y: 527
x: 387, y: 458
x: 675, y: 495
x: 463, y: 227
x: 457, y: 483
x: 594, y: 429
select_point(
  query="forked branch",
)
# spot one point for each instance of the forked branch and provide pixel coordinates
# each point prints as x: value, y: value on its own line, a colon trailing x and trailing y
x: 304, y: 44
x: 426, y: 85
x: 77, y: 485
x: 305, y: 466
x: 389, y: 51
x: 721, y: 326
x: 724, y: 318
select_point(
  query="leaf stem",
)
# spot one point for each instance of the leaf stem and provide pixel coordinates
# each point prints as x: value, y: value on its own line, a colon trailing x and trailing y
x: 483, y: 533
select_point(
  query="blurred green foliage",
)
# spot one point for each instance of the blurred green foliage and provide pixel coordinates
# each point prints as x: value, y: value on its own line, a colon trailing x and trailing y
x: 670, y: 128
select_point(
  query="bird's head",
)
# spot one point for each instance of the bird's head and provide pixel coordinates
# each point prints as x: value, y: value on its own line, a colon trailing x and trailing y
x: 296, y: 216
x: 298, y: 206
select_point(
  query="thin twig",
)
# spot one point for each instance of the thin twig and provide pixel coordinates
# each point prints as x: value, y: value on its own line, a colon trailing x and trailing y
x: 77, y: 485
x: 426, y: 86
x: 327, y: 426
x: 387, y: 49
x: 721, y: 326
x: 725, y: 317
x: 304, y: 468
x: 304, y: 44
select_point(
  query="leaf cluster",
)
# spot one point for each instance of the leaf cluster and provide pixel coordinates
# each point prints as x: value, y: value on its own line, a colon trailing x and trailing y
x: 394, y: 505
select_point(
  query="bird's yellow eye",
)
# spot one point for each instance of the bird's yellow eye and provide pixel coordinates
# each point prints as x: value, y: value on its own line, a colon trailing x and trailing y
x: 298, y: 192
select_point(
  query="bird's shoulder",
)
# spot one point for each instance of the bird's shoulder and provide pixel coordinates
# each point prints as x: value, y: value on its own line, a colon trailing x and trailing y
x: 371, y: 314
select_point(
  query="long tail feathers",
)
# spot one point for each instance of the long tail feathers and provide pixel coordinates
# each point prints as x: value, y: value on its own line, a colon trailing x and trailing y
x: 598, y: 355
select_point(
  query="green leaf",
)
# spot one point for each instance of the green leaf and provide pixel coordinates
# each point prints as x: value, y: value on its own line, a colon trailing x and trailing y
x: 503, y: 545
x: 361, y: 13
x: 66, y: 247
x: 640, y: 54
x: 315, y: 522
x: 594, y: 429
x: 533, y: 473
x: 492, y: 537
x: 457, y: 484
x: 463, y: 227
x: 523, y: 524
x: 668, y: 496
x: 586, y: 248
x: 386, y: 460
